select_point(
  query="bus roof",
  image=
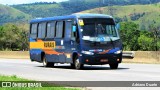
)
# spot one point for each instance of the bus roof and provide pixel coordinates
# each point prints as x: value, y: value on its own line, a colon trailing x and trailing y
x: 70, y: 17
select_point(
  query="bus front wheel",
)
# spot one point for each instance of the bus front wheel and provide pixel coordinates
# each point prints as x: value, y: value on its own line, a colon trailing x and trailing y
x: 46, y: 63
x: 77, y: 64
x: 113, y: 65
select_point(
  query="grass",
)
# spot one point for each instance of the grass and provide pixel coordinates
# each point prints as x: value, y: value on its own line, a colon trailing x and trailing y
x: 11, y: 78
x: 15, y: 78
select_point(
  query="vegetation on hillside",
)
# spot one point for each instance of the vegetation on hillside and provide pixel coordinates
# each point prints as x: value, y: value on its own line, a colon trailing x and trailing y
x: 44, y: 9
x: 9, y: 14
x: 24, y: 12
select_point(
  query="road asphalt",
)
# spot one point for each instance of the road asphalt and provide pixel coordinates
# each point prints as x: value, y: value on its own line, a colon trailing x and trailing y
x: 63, y: 72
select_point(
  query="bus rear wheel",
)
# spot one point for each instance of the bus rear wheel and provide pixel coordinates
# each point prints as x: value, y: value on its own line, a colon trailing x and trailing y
x: 46, y: 63
x: 77, y: 64
x: 113, y: 65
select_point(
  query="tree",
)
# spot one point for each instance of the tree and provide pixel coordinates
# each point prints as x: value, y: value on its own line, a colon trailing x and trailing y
x: 155, y: 32
x: 145, y: 41
x: 23, y: 36
x: 14, y: 37
x: 129, y: 34
x: 2, y: 37
x: 10, y: 34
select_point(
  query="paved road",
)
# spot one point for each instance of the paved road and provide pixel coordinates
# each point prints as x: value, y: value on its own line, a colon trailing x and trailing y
x: 35, y: 71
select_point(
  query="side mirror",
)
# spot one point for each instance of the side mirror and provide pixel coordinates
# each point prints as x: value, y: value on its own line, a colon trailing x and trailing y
x: 74, y: 28
x: 118, y: 26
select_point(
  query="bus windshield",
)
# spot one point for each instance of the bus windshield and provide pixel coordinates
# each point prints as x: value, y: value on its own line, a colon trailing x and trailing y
x: 94, y: 28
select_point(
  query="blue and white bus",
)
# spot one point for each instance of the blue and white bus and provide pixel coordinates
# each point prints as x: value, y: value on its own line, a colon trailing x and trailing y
x: 77, y: 39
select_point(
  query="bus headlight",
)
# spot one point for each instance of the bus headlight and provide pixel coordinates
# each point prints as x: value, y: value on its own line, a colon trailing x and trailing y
x: 87, y: 52
x: 118, y: 52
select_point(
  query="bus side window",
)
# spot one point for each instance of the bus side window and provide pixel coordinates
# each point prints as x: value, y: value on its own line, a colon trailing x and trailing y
x: 42, y: 30
x: 59, y: 29
x: 50, y: 30
x: 33, y: 31
x: 68, y: 28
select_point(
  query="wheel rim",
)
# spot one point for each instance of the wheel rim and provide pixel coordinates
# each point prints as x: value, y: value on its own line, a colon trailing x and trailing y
x: 77, y: 64
x: 44, y: 62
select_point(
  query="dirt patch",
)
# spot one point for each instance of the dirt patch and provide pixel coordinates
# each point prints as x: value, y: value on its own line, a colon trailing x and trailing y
x: 14, y: 54
x: 150, y: 57
x: 141, y: 60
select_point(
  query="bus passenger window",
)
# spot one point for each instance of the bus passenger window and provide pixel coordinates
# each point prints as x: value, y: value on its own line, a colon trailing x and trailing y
x: 50, y: 30
x: 68, y: 28
x: 59, y: 29
x: 42, y: 30
x: 33, y: 32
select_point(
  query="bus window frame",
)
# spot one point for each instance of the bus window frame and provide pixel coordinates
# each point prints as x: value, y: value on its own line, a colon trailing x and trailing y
x: 63, y: 31
x: 41, y: 30
x: 66, y: 27
x: 54, y: 22
x: 36, y: 34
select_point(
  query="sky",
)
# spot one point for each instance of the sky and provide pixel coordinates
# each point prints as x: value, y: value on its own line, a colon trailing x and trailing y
x: 11, y: 2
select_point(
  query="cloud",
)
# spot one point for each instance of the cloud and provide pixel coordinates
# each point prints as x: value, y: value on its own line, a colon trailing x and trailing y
x: 10, y: 2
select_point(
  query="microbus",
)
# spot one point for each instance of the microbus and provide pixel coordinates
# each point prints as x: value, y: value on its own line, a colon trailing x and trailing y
x: 78, y: 39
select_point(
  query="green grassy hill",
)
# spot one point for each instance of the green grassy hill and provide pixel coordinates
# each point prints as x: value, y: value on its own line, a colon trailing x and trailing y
x: 9, y: 14
x: 43, y: 10
x: 144, y: 15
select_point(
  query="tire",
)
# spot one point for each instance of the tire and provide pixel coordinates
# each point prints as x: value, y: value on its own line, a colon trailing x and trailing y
x: 72, y: 66
x: 32, y: 60
x: 47, y: 64
x: 113, y: 65
x: 77, y: 64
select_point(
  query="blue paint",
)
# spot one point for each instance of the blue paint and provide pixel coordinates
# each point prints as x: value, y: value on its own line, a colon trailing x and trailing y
x: 32, y: 40
x: 74, y: 28
x: 101, y: 39
x: 113, y: 50
x: 35, y: 51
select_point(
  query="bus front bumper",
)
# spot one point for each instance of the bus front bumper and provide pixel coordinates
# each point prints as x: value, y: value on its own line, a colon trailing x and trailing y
x: 100, y: 59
